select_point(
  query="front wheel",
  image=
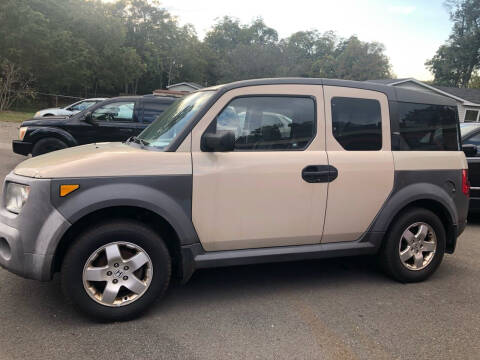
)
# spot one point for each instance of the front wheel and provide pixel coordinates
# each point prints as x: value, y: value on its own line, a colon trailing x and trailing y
x: 47, y: 145
x: 116, y: 270
x: 414, y: 246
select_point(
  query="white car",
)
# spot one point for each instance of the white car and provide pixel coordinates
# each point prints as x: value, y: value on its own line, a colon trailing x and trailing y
x: 70, y: 109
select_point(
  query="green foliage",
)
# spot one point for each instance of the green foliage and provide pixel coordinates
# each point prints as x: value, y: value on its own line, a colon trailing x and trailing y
x: 456, y: 60
x: 81, y: 47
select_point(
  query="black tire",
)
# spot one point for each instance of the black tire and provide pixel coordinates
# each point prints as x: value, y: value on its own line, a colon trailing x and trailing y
x: 91, y: 240
x: 47, y: 145
x: 389, y: 255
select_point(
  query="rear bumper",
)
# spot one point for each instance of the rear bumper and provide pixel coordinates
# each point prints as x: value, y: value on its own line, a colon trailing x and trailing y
x: 21, y: 147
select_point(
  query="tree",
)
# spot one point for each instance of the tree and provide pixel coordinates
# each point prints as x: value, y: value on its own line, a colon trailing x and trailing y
x: 459, y: 57
x: 13, y: 85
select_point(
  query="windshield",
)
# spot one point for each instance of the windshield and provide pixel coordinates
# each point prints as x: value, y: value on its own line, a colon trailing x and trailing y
x: 173, y: 120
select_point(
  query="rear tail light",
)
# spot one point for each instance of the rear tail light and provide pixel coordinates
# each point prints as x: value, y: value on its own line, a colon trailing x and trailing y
x: 465, y: 183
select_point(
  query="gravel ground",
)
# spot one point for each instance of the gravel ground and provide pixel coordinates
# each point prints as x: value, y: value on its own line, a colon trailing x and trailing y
x: 329, y: 309
x: 8, y: 132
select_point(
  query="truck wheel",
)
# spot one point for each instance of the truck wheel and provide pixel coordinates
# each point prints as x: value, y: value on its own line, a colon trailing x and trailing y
x: 414, y: 246
x: 47, y: 145
x: 116, y: 270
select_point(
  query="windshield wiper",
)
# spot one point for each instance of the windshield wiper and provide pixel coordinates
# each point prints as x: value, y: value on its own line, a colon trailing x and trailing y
x: 137, y: 140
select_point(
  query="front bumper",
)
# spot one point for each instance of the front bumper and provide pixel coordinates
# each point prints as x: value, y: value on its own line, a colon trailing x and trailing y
x: 21, y: 147
x: 28, y: 240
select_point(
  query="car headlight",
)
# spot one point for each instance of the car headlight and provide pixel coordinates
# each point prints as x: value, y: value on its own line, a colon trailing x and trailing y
x: 37, y: 114
x: 22, y: 132
x: 16, y: 197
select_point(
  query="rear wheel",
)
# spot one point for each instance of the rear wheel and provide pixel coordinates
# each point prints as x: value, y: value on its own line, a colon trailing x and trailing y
x: 47, y: 145
x: 414, y: 246
x: 116, y: 270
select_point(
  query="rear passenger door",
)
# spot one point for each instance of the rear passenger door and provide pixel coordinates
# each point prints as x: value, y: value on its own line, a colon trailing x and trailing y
x: 358, y: 146
x: 256, y: 196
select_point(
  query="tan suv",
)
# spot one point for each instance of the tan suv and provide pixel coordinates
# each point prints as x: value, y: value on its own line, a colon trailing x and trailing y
x: 249, y: 172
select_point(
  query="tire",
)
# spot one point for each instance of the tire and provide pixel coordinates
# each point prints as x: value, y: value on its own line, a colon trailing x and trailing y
x: 47, y: 145
x: 89, y: 297
x: 403, y: 241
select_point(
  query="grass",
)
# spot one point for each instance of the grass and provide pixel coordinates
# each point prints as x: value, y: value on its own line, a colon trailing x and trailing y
x: 15, y: 116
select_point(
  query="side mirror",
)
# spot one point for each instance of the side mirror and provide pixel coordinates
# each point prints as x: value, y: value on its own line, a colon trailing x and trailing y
x: 89, y: 119
x: 222, y: 141
x: 470, y: 150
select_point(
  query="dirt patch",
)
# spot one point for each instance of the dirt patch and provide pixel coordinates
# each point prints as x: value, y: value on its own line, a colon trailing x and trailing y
x: 8, y: 132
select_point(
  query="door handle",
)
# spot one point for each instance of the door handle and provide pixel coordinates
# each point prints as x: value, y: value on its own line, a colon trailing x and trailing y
x: 319, y: 173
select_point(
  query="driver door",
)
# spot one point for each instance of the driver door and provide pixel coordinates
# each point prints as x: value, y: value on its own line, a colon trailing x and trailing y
x: 256, y: 196
x: 115, y: 121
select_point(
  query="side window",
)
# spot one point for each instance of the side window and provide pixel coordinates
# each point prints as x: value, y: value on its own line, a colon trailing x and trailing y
x: 425, y: 127
x: 121, y: 111
x: 82, y: 106
x: 152, y: 109
x: 268, y: 122
x: 357, y: 123
x: 474, y: 140
x: 471, y: 115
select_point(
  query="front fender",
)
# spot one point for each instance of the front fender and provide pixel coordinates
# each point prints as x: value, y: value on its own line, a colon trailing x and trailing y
x: 168, y: 196
x: 37, y: 133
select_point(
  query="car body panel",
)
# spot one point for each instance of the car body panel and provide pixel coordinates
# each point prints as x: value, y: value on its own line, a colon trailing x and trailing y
x: 350, y: 211
x: 259, y: 198
x: 105, y: 159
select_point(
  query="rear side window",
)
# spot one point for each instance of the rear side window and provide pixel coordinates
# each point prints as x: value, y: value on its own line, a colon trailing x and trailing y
x: 268, y: 122
x: 152, y: 109
x: 357, y: 123
x: 425, y: 127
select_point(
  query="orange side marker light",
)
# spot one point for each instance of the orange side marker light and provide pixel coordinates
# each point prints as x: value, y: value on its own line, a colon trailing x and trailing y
x: 67, y: 189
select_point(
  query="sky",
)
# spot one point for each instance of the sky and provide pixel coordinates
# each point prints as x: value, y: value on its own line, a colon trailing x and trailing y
x: 411, y: 30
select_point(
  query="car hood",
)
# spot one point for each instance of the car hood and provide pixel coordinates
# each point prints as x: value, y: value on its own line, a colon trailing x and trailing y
x: 105, y: 159
x: 46, y: 121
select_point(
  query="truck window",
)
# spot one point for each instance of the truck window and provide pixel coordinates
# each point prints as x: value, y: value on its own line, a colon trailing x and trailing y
x: 268, y: 122
x: 425, y: 127
x: 357, y: 123
x: 152, y: 109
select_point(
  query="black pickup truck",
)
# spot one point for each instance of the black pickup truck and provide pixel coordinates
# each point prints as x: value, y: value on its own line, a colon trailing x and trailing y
x: 115, y: 119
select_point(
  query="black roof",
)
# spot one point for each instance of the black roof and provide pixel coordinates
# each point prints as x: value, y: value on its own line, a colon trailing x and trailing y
x: 472, y: 95
x: 393, y: 93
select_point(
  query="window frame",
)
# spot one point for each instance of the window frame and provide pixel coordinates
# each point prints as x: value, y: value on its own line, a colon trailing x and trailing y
x: 382, y: 143
x: 395, y: 133
x: 315, y: 121
x: 143, y: 110
x: 465, y: 116
x: 134, y: 112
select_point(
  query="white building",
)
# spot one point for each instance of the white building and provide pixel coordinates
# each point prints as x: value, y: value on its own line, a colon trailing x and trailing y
x: 185, y: 87
x: 468, y: 100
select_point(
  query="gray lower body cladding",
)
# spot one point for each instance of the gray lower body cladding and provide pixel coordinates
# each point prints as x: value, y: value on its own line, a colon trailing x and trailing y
x: 27, y: 236
x: 34, y: 235
x: 441, y: 189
